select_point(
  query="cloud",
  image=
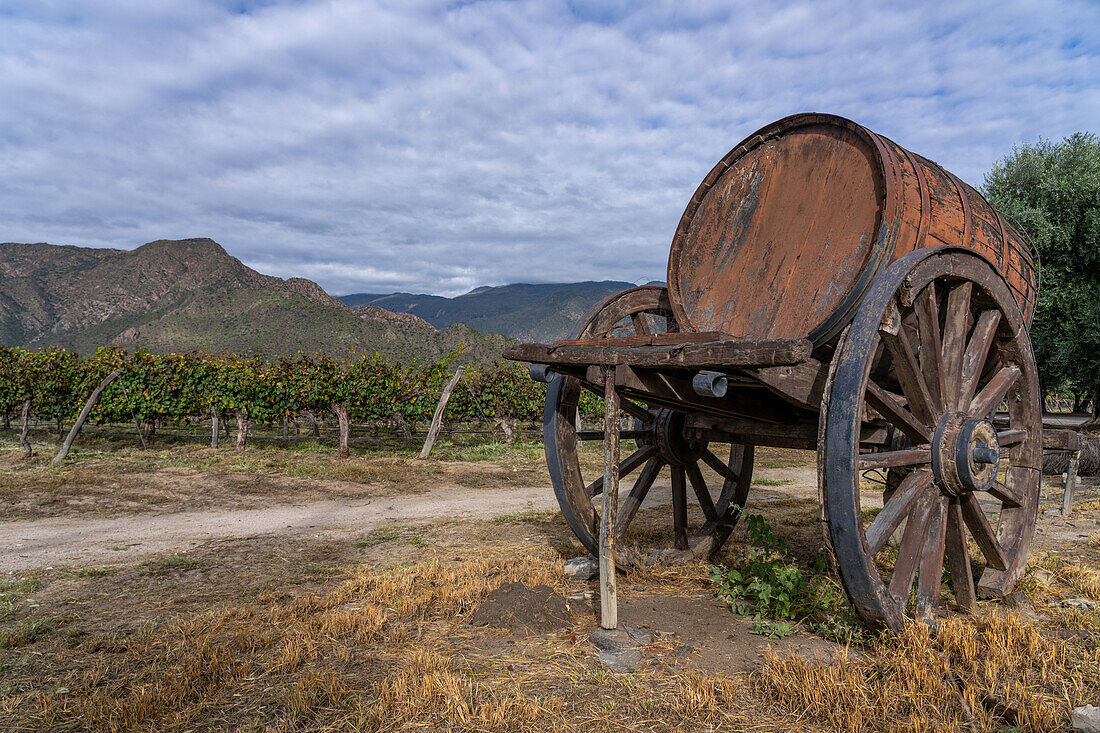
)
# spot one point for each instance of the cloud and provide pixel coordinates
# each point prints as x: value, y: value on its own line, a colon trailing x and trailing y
x: 434, y: 146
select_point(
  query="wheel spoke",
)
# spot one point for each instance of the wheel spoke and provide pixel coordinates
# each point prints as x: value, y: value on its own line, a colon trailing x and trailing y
x: 1006, y: 494
x: 958, y: 558
x: 931, y: 560
x: 954, y: 337
x: 637, y: 494
x: 895, y: 458
x: 720, y: 468
x: 978, y: 523
x: 912, y: 488
x: 906, y: 368
x: 641, y: 324
x: 976, y: 354
x: 679, y: 507
x: 905, y: 568
x: 701, y: 492
x: 627, y: 465
x: 931, y: 344
x: 896, y: 414
x: 992, y: 393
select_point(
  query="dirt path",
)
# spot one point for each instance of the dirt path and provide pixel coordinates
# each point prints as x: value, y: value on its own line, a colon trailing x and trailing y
x: 95, y: 541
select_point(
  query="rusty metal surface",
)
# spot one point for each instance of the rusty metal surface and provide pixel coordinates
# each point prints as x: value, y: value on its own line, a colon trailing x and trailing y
x: 786, y: 233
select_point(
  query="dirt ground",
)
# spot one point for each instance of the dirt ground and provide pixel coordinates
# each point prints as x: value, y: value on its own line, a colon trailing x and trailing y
x: 115, y: 559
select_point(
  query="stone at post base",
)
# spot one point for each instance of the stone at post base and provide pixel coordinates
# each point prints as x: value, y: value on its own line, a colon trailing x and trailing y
x: 585, y: 567
x: 1085, y: 719
x: 619, y: 649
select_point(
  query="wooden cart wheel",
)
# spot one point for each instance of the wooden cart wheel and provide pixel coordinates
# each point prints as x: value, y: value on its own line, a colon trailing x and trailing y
x: 660, y: 442
x: 937, y: 347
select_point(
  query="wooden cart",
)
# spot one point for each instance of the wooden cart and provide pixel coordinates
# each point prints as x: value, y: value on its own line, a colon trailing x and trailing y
x: 827, y: 290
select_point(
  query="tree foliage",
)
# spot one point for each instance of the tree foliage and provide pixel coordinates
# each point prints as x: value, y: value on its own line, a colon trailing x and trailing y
x: 1051, y: 192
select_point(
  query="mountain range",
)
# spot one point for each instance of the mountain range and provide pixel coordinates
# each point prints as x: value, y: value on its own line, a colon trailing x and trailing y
x: 183, y: 295
x: 190, y: 294
x: 528, y: 312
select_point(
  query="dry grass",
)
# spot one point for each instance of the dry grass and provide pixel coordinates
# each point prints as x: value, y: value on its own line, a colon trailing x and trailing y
x: 983, y: 674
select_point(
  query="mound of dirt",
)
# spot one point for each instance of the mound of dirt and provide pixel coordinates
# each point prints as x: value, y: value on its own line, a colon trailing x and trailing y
x: 516, y: 607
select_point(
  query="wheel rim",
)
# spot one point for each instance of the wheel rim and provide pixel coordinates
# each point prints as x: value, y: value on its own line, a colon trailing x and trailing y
x: 660, y: 444
x: 937, y: 344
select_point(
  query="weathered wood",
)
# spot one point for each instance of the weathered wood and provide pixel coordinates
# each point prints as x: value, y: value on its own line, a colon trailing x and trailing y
x: 437, y: 416
x: 894, y: 458
x: 986, y: 401
x: 340, y: 409
x: 716, y: 355
x: 213, y: 427
x: 958, y: 559
x: 931, y: 560
x: 649, y: 339
x: 977, y: 351
x: 679, y: 507
x: 909, y: 551
x: 883, y: 526
x: 609, y: 607
x: 1071, y: 483
x: 800, y: 384
x: 242, y: 428
x: 743, y: 430
x: 83, y: 416
x: 931, y: 340
x: 906, y: 368
x: 954, y: 338
x: 1066, y: 440
x: 26, y: 414
x: 896, y: 413
x: 983, y: 533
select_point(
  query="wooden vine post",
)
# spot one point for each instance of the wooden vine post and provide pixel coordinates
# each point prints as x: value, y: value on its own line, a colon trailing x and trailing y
x: 27, y: 450
x: 437, y: 418
x: 83, y: 416
x: 213, y: 427
x: 609, y: 608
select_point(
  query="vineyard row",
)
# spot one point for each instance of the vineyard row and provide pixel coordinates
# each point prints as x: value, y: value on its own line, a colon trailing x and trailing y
x: 55, y: 384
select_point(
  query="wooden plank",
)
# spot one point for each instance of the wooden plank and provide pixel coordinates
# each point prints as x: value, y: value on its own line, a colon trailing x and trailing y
x: 1061, y: 440
x: 714, y: 355
x: 931, y: 344
x: 649, y: 339
x: 986, y: 401
x: 954, y: 337
x: 741, y: 430
x: 609, y: 608
x: 801, y: 384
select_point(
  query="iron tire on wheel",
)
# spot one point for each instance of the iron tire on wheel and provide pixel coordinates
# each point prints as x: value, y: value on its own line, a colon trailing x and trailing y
x: 938, y: 343
x: 660, y: 443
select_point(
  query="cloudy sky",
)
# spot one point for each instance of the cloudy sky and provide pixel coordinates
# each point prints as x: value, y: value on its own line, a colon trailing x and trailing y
x: 438, y: 146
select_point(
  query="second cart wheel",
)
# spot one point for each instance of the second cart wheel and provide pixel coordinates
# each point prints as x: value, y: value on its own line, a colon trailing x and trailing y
x: 660, y: 442
x: 937, y: 346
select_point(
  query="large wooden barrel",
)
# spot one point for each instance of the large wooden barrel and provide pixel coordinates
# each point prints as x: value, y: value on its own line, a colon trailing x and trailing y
x: 784, y: 235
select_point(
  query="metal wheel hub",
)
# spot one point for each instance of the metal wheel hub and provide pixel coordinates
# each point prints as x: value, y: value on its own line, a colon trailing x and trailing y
x: 965, y: 454
x: 674, y: 446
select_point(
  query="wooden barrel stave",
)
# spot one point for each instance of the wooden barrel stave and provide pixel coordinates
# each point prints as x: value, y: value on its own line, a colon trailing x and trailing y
x: 752, y: 256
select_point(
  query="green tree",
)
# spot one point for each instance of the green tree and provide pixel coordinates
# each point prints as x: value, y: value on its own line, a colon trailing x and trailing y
x: 1051, y: 192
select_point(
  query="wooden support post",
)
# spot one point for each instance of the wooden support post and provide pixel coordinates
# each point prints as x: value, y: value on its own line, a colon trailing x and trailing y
x: 437, y: 418
x: 609, y: 604
x: 214, y: 427
x: 1071, y: 483
x: 84, y: 415
x: 27, y: 450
